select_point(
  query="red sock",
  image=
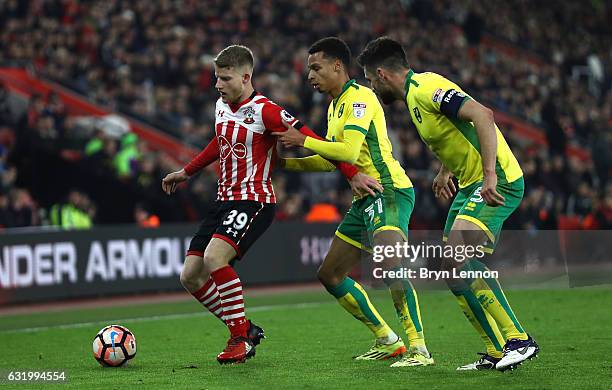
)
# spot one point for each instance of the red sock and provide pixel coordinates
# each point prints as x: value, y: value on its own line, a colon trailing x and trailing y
x: 230, y: 293
x: 208, y: 295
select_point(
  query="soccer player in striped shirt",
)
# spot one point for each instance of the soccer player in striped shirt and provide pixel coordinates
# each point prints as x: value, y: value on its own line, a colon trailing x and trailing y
x: 357, y: 133
x: 245, y: 198
x: 463, y: 135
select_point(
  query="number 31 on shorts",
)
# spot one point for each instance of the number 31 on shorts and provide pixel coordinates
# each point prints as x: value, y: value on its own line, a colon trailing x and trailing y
x: 371, y: 211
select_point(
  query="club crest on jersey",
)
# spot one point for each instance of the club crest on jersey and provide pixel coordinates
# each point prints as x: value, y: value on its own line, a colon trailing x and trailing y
x: 359, y: 110
x: 238, y: 150
x: 286, y: 116
x: 249, y: 112
x: 437, y: 96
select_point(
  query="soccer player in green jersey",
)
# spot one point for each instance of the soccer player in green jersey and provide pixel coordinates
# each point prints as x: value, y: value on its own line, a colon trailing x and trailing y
x: 357, y: 133
x: 462, y: 134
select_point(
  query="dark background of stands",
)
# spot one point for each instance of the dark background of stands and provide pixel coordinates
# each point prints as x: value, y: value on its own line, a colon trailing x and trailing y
x: 545, y: 64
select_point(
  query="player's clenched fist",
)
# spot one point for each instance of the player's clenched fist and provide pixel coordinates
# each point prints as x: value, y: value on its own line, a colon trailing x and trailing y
x: 172, y: 179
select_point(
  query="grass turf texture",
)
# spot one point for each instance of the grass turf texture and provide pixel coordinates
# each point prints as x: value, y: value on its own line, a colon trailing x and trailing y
x: 310, y: 344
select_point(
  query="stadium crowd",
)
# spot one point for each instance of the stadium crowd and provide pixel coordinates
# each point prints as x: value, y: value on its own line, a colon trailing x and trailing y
x: 153, y: 61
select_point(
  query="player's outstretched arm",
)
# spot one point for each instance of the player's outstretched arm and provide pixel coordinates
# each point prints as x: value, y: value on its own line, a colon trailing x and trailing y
x: 314, y: 163
x: 347, y: 150
x: 276, y: 120
x: 347, y: 153
x: 203, y: 159
x: 484, y: 123
x: 360, y: 183
x: 206, y: 157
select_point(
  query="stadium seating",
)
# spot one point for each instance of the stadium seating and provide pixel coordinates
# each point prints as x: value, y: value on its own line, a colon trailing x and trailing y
x: 152, y: 62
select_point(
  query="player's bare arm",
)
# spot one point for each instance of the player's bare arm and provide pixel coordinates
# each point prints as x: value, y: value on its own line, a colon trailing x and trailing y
x: 484, y: 123
x: 360, y: 183
x: 346, y: 150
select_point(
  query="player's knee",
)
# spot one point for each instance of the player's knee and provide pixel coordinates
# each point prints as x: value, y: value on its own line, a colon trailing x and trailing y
x: 212, y: 263
x: 189, y: 279
x: 327, y: 277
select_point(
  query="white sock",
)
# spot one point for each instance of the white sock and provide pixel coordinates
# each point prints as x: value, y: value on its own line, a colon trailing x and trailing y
x: 389, y: 339
x: 421, y: 349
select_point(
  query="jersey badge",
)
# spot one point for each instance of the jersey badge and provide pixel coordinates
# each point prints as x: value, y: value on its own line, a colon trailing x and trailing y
x: 359, y: 110
x: 249, y: 112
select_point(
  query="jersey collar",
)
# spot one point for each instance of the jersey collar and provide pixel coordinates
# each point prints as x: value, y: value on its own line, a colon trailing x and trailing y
x: 344, y: 88
x: 235, y: 106
x: 409, y: 81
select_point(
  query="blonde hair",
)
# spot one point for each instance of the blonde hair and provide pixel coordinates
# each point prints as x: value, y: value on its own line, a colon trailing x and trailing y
x: 235, y: 56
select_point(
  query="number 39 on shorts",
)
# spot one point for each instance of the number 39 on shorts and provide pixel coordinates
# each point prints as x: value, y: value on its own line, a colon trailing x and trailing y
x: 239, y: 219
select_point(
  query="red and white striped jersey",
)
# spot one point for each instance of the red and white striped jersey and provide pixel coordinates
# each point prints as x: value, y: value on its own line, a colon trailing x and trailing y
x: 246, y: 149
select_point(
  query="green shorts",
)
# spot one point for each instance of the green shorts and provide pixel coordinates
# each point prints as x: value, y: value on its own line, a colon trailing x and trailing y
x: 389, y: 210
x: 469, y: 205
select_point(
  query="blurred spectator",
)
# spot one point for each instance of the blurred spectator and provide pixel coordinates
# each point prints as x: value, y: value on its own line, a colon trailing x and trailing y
x: 290, y: 208
x: 473, y: 26
x: 6, y: 215
x: 24, y: 209
x: 323, y: 212
x: 144, y: 218
x: 127, y: 157
x: 555, y: 136
x: 76, y: 213
x: 96, y: 143
x: 6, y: 116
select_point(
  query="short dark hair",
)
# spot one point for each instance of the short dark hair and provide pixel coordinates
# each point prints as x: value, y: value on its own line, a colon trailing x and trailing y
x: 385, y: 52
x: 235, y: 56
x: 333, y: 47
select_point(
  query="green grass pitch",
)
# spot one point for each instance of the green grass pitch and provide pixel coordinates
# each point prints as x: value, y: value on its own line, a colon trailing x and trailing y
x: 310, y: 344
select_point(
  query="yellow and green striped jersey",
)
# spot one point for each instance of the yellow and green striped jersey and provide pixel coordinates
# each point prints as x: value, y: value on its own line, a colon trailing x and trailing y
x: 433, y: 102
x: 357, y: 109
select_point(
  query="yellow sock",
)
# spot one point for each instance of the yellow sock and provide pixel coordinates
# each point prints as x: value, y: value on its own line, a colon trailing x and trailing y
x: 353, y: 298
x: 493, y: 300
x: 482, y: 322
x: 406, y: 305
x: 504, y: 316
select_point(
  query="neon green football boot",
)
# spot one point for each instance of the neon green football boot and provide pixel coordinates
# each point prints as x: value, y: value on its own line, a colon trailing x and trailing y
x: 380, y: 351
x: 413, y: 359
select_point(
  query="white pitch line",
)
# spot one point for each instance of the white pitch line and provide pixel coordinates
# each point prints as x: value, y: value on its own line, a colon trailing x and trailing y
x: 161, y: 317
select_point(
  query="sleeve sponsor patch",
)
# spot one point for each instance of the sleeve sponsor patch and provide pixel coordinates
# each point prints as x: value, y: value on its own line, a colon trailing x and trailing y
x: 437, y: 96
x: 286, y: 116
x: 359, y: 110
